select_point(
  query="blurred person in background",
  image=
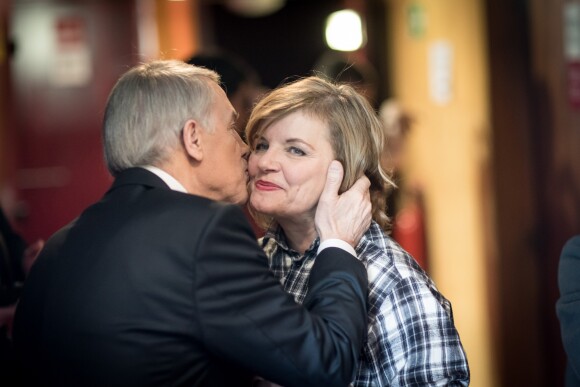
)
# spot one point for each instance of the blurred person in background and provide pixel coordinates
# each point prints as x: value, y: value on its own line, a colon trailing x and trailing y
x: 360, y: 74
x: 405, y: 202
x: 294, y: 132
x: 238, y: 79
x: 568, y: 307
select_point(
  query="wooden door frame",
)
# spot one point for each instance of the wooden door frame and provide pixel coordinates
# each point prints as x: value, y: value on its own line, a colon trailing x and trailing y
x: 536, y: 179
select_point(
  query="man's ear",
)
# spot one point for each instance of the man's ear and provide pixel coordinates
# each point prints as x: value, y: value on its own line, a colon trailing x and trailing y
x: 192, y: 138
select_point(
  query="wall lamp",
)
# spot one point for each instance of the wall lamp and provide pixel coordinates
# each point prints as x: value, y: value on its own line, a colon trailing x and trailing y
x: 345, y: 31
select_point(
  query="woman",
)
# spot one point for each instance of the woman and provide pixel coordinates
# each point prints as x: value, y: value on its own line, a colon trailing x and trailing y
x: 294, y: 133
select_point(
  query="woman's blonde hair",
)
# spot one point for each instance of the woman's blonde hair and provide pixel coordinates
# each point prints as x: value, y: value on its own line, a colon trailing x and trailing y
x: 356, y: 133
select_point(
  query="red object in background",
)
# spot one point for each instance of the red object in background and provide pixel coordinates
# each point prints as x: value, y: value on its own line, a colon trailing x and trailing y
x: 55, y: 128
x: 71, y: 30
x: 574, y: 83
x: 409, y: 231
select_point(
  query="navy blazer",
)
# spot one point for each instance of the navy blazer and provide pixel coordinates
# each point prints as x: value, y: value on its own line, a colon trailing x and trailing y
x: 568, y: 307
x: 153, y: 287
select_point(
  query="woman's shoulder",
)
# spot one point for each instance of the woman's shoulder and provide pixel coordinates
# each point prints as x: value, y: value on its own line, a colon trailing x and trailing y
x: 394, y: 274
x: 385, y: 258
x: 377, y: 247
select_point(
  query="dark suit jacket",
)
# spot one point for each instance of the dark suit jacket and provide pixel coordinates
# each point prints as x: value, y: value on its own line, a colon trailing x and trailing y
x: 568, y: 307
x: 152, y: 287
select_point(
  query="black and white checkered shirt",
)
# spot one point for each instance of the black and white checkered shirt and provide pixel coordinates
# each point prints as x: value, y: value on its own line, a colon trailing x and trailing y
x: 412, y: 340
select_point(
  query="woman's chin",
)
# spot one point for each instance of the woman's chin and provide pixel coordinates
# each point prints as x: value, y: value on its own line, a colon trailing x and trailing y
x: 259, y: 204
x: 264, y: 211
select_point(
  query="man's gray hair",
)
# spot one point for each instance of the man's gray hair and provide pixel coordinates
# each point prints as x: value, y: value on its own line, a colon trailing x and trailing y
x: 148, y: 108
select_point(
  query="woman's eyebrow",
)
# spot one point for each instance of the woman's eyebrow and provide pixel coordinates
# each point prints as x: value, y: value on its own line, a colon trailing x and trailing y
x: 297, y: 140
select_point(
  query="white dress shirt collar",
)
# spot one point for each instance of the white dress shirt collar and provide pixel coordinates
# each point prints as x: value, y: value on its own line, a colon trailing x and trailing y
x: 167, y: 178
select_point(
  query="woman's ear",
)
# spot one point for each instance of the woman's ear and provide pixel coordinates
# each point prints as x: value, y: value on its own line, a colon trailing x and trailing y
x: 191, y: 135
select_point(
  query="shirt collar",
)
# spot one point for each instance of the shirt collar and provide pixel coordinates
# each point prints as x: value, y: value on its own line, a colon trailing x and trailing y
x: 167, y: 178
x: 276, y: 233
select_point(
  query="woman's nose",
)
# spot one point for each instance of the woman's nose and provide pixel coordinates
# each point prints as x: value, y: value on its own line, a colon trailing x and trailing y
x: 268, y: 160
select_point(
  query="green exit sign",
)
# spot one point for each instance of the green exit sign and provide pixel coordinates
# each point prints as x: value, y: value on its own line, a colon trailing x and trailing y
x: 416, y: 20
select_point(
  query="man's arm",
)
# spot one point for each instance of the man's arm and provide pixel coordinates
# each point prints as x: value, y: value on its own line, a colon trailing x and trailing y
x: 247, y: 318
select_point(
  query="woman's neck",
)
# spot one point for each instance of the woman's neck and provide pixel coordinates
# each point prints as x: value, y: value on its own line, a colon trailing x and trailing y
x: 299, y: 233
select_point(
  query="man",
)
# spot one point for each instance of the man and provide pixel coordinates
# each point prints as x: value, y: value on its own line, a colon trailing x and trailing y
x: 161, y: 283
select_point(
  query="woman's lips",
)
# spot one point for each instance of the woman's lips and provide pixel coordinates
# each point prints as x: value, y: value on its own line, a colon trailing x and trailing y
x: 266, y: 186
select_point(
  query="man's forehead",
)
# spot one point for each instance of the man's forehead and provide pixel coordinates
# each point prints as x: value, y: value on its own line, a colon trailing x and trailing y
x: 223, y: 104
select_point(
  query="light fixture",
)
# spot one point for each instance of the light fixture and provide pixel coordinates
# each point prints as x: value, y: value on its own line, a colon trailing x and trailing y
x: 344, y: 31
x: 255, y: 8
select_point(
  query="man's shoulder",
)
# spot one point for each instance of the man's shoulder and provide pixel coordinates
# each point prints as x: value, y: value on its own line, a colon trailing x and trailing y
x: 203, y: 204
x: 140, y: 184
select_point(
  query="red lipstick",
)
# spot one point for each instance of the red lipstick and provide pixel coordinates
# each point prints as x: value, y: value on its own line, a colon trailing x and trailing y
x: 266, y: 186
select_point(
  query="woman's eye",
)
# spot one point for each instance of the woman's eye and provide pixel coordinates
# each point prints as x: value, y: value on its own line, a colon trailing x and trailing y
x: 296, y: 151
x: 261, y: 146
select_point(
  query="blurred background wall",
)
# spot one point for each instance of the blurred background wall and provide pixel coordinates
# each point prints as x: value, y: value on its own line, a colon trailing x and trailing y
x: 440, y: 72
x: 492, y: 87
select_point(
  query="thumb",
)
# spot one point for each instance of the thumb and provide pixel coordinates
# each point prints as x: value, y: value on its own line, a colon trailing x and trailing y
x: 333, y: 179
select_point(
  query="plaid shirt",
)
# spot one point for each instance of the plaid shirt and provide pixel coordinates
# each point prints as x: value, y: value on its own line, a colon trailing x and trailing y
x: 411, y: 339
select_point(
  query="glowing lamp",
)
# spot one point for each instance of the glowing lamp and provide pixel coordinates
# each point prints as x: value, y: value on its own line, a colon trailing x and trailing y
x: 344, y: 31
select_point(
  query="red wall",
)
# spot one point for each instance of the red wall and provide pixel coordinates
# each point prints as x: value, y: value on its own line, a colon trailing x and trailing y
x: 67, y: 58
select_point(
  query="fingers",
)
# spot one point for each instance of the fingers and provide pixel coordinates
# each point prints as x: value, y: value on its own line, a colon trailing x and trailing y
x: 333, y: 179
x: 362, y: 185
x: 347, y: 216
x: 362, y: 220
x: 359, y: 193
